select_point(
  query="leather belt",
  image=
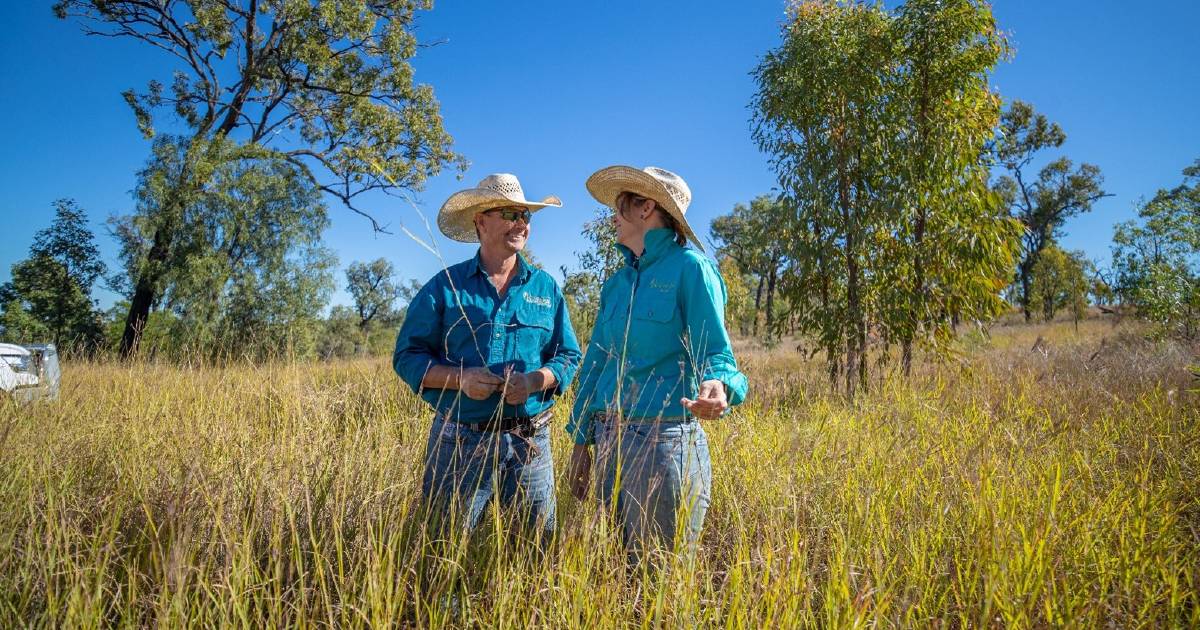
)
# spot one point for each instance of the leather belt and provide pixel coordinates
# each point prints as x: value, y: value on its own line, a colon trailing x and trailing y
x: 524, y: 425
x: 609, y: 417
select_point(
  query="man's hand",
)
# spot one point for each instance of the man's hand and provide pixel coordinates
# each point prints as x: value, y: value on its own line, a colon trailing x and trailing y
x: 710, y: 403
x: 579, y: 472
x: 478, y: 383
x: 519, y: 386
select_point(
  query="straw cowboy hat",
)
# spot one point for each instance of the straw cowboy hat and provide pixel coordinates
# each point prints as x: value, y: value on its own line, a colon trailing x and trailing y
x: 456, y: 219
x: 664, y: 187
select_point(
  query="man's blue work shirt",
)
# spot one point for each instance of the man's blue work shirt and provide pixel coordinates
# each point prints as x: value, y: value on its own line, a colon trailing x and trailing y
x: 458, y: 319
x: 659, y: 334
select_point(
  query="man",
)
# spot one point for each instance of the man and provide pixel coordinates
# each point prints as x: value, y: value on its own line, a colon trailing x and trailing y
x: 488, y: 344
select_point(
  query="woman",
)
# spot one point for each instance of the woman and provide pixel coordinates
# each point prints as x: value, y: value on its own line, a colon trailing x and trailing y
x: 658, y: 362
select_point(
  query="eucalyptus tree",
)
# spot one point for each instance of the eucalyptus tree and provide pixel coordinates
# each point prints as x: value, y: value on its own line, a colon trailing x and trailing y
x: 955, y: 246
x: 373, y: 288
x: 50, y: 292
x: 877, y: 124
x: 1156, y: 258
x: 1058, y: 191
x: 247, y: 267
x: 1060, y: 280
x: 819, y: 113
x: 326, y: 84
x: 581, y: 286
x: 756, y: 238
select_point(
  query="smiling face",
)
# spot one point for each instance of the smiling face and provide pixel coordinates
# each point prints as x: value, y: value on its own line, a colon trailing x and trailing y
x: 501, y: 235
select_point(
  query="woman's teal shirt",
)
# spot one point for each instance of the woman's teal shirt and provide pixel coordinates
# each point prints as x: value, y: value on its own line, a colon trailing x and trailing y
x: 659, y: 334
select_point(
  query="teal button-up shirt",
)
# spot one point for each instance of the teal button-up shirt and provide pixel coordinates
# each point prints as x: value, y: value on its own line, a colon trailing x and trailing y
x: 659, y: 334
x: 458, y: 319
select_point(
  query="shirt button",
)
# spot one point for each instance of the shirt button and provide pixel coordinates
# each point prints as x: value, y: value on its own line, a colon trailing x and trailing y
x: 497, y: 335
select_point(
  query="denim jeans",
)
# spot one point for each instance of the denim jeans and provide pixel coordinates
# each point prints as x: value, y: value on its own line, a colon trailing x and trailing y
x: 656, y: 477
x: 465, y: 468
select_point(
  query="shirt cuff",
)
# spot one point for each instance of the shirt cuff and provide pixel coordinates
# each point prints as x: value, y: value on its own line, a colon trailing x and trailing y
x: 735, y: 384
x: 560, y: 378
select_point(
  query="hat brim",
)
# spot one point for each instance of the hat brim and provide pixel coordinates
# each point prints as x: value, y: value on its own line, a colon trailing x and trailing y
x: 606, y: 184
x: 456, y: 219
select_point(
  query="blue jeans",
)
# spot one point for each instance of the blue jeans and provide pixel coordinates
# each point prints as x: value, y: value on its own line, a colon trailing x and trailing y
x: 656, y: 477
x: 465, y: 468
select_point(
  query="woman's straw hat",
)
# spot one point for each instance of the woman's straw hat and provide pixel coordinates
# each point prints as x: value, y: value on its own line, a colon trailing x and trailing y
x: 456, y: 219
x: 664, y: 187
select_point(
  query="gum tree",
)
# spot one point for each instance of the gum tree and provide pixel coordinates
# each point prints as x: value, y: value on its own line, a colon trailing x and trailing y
x: 1041, y: 202
x: 955, y: 247
x: 325, y: 84
x: 877, y: 124
x: 819, y: 115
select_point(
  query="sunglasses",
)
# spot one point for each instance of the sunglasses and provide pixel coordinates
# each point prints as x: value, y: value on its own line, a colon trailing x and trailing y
x: 511, y: 214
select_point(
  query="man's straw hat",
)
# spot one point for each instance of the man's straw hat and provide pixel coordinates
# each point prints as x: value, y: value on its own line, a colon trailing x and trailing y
x: 664, y: 187
x: 456, y: 219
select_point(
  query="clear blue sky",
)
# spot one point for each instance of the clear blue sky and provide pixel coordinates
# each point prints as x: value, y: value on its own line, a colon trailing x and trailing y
x: 552, y: 91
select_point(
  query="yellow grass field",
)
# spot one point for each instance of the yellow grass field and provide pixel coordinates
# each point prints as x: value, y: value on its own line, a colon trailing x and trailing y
x: 1002, y: 488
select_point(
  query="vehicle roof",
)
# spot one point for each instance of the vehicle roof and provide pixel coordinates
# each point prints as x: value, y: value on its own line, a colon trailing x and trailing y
x: 12, y: 348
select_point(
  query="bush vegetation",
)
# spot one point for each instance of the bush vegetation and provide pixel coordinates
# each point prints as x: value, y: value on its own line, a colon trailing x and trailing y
x: 1004, y: 488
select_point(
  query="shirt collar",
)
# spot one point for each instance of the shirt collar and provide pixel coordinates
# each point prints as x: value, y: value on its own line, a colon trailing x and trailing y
x: 524, y: 269
x: 658, y: 242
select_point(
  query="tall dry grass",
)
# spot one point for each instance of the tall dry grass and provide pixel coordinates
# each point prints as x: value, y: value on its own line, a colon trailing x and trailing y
x: 1004, y: 488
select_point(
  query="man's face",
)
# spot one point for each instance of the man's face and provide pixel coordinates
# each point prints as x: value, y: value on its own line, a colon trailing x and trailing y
x: 503, y: 230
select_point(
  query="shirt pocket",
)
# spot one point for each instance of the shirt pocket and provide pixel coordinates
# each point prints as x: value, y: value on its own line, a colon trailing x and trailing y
x: 655, y: 332
x: 533, y: 327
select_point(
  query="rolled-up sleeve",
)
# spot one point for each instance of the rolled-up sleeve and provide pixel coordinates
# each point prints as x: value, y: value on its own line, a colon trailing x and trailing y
x: 419, y: 336
x: 564, y: 347
x: 580, y: 424
x: 704, y: 293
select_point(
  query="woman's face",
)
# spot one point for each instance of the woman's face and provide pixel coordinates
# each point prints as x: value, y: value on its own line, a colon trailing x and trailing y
x: 631, y: 218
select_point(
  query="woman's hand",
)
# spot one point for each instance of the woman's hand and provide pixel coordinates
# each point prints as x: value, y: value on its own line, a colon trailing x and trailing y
x: 710, y: 402
x: 579, y: 473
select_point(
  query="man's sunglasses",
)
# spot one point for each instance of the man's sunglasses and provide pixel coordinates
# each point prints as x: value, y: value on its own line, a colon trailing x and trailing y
x: 511, y: 214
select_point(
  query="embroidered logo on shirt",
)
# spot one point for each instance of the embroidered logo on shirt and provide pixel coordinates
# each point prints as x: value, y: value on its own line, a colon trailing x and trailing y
x: 540, y: 301
x: 661, y: 286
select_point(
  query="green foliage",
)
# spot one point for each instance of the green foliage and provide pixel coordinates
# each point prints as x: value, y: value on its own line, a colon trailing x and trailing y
x: 247, y: 274
x: 739, y: 304
x: 1156, y: 258
x: 755, y: 238
x: 369, y: 327
x: 49, y: 296
x: 877, y: 123
x: 1060, y: 280
x: 581, y: 287
x: 329, y: 84
x: 325, y: 85
x: 1044, y: 204
x: 373, y: 288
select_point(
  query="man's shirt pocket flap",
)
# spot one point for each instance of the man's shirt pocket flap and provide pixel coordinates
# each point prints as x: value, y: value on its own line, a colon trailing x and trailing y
x: 535, y: 316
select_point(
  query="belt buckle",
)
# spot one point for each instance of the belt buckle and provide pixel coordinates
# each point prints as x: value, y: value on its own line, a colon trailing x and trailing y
x: 528, y: 427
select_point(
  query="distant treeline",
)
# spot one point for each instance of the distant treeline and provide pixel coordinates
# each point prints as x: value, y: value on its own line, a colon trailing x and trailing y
x: 910, y: 198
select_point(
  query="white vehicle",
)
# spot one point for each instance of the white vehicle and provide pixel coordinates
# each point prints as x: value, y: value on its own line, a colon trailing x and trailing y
x: 29, y: 372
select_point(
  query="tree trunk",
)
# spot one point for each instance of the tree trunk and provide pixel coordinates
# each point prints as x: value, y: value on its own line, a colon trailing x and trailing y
x: 144, y: 293
x: 758, y: 303
x: 1026, y: 285
x: 771, y: 302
